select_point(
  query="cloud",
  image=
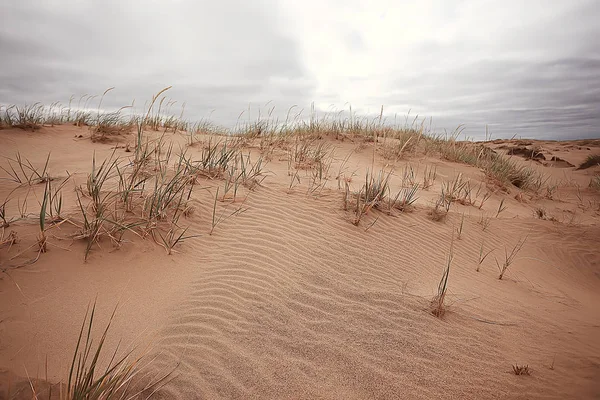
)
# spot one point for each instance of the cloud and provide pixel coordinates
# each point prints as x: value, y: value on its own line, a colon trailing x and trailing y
x: 525, y: 68
x: 217, y: 55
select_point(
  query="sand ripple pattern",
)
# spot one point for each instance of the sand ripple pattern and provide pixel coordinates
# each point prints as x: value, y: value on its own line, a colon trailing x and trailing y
x: 290, y: 301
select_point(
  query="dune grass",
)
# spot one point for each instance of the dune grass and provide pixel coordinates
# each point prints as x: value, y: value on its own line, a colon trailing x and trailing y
x: 595, y: 182
x: 438, y: 307
x: 509, y: 257
x: 482, y: 256
x: 147, y: 195
x: 521, y: 369
x: 20, y: 170
x: 93, y: 376
x: 591, y: 161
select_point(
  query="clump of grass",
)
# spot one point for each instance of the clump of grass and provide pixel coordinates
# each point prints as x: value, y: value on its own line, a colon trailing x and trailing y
x: 100, y: 202
x: 408, y: 176
x: 20, y: 170
x: 485, y: 197
x: 404, y: 199
x: 218, y: 218
x: 173, y: 237
x: 484, y: 221
x: 437, y: 303
x: 458, y: 190
x: 400, y: 145
x: 216, y: 157
x: 55, y: 200
x: 28, y: 117
x: 306, y: 153
x: 110, y: 124
x: 114, y: 381
x: 595, y: 182
x: 168, y: 195
x: 437, y: 212
x: 497, y: 167
x: 429, y: 177
x: 442, y: 205
x: 509, y: 258
x: 506, y: 170
x: 591, y: 161
x: 372, y: 194
x: 521, y: 369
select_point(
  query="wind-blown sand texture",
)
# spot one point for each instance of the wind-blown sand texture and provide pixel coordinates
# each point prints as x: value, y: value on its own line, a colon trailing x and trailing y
x: 287, y: 299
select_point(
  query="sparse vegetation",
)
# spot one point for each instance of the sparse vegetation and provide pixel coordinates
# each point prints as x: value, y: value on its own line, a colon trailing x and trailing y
x: 592, y: 160
x: 370, y: 195
x: 509, y: 258
x: 595, y: 182
x: 88, y: 381
x: 521, y: 369
x: 459, y: 230
x: 501, y: 207
x: 482, y: 256
x: 441, y: 207
x: 438, y: 307
x: 429, y: 177
x: 484, y: 221
x: 20, y: 170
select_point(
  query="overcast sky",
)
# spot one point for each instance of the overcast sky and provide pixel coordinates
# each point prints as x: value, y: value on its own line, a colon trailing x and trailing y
x: 526, y: 68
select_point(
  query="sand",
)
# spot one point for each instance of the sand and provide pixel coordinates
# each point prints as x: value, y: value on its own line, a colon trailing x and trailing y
x: 289, y: 300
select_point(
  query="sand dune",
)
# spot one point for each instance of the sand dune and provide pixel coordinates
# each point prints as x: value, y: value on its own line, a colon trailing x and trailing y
x: 288, y: 299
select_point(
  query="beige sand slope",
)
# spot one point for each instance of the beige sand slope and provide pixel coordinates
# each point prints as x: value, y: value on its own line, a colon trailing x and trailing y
x: 289, y: 300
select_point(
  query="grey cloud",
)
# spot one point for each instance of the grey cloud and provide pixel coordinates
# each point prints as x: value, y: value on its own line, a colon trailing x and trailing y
x: 217, y: 55
x: 560, y: 97
x: 354, y: 41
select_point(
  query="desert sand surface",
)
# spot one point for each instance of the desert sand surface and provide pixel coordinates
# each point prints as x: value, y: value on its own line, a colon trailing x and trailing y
x: 282, y: 294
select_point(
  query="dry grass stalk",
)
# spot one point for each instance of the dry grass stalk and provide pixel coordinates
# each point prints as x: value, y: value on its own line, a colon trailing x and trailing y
x: 438, y: 307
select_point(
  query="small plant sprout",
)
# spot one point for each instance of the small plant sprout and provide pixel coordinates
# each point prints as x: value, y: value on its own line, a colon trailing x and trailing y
x: 217, y: 219
x: 459, y: 230
x: 509, y: 258
x: 501, y: 207
x: 482, y: 256
x: 485, y: 198
x: 174, y: 236
x: 437, y: 303
x: 42, y: 240
x: 9, y: 239
x: 442, y: 206
x: 294, y: 180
